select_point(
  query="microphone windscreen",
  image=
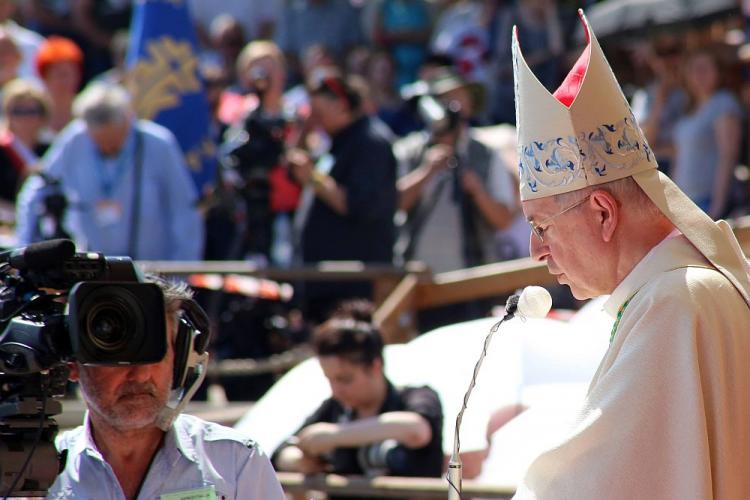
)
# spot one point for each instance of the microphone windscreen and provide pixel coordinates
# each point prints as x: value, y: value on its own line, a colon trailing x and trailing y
x: 43, y: 254
x: 534, y: 302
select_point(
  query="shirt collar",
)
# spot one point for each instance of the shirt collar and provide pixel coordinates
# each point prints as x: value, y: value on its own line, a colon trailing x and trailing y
x: 179, y: 438
x: 673, y: 252
x: 391, y: 401
x: 87, y: 443
x: 176, y: 441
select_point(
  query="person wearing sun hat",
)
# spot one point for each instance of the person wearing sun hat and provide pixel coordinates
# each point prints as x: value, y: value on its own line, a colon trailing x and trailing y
x: 667, y: 414
x: 454, y: 191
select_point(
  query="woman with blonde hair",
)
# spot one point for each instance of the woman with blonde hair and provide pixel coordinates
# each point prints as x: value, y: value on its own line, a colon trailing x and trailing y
x: 25, y: 112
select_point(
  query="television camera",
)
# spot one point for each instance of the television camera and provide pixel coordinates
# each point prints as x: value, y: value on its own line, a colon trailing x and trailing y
x: 58, y: 306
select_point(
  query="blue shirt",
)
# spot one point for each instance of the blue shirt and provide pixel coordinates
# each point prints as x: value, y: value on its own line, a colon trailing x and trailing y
x: 100, y: 196
x: 196, y: 454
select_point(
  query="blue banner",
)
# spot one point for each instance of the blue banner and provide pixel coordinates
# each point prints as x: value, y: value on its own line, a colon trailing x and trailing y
x: 166, y: 84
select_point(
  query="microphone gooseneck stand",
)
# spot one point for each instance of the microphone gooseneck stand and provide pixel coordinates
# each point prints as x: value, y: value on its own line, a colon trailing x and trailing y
x: 532, y: 302
x: 454, y: 464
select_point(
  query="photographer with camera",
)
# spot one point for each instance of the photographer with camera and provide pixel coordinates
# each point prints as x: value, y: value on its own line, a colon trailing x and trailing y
x: 368, y: 426
x: 451, y: 184
x: 133, y: 444
x: 254, y: 146
x: 128, y: 189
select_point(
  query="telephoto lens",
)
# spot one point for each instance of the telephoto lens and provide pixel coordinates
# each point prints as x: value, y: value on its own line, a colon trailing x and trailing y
x: 117, y: 323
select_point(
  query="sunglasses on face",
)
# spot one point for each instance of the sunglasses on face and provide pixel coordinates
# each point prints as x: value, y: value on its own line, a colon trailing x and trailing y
x: 26, y: 111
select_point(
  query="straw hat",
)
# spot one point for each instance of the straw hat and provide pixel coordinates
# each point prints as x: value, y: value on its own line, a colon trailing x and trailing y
x: 447, y: 79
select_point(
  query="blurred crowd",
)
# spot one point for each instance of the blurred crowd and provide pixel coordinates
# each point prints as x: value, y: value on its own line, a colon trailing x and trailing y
x: 345, y: 130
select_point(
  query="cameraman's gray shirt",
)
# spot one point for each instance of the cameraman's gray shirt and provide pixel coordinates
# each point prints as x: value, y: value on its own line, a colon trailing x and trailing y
x: 195, y: 455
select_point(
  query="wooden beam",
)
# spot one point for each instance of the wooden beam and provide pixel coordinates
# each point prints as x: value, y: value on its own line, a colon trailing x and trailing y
x: 395, y: 317
x: 482, y: 281
x: 388, y: 486
x: 322, y: 271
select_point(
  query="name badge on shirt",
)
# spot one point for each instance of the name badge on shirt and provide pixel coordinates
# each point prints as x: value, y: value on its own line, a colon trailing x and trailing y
x: 205, y: 493
x: 108, y: 212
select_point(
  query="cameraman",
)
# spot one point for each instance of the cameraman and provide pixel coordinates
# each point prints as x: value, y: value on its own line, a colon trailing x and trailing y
x: 450, y: 184
x: 122, y: 451
x: 255, y: 144
x: 368, y: 426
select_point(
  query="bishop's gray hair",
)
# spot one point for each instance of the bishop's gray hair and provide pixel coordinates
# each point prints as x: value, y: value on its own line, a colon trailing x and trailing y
x: 101, y: 104
x: 626, y: 191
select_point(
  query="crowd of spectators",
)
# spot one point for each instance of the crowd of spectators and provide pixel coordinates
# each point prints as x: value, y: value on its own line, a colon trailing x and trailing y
x: 346, y: 130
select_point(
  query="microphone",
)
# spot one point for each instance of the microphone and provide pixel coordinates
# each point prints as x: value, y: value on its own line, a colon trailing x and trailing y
x: 40, y: 255
x: 532, y: 302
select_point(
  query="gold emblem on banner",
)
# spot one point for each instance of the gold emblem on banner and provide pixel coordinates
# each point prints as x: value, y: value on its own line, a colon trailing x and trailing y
x: 158, y: 81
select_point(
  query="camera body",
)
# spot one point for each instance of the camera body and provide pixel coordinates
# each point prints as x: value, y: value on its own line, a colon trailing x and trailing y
x: 439, y: 118
x: 110, y: 317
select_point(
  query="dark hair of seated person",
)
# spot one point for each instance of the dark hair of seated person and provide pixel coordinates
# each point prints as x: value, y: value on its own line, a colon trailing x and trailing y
x: 358, y: 342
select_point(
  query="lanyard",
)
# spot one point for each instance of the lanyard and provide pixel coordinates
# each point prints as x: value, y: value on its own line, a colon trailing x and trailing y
x: 110, y: 177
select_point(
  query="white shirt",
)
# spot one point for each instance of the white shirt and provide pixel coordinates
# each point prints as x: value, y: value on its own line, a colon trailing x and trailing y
x: 196, y: 455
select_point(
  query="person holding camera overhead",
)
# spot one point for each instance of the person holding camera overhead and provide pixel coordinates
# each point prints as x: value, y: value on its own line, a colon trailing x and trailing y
x: 127, y: 187
x: 135, y: 444
x: 368, y: 426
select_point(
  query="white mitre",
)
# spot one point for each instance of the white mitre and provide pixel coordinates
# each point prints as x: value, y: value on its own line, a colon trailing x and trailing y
x: 585, y: 134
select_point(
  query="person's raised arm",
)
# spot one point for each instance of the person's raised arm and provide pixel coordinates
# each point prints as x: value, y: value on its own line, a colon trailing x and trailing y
x: 411, y: 185
x: 326, y: 188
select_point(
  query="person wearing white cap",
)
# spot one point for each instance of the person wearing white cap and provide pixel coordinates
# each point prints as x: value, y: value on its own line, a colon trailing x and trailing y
x: 667, y: 414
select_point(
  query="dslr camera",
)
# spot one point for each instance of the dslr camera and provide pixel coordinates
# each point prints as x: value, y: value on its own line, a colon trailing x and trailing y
x: 58, y: 306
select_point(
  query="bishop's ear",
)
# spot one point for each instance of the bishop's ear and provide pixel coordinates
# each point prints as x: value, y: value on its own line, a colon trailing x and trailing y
x: 607, y: 212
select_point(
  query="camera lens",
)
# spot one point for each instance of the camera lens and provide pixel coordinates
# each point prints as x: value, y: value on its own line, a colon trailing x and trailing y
x: 116, y: 323
x: 112, y: 322
x: 109, y: 326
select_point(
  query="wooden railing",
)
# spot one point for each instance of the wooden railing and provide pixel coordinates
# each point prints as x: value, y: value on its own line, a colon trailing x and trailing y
x: 384, y: 277
x: 387, y: 486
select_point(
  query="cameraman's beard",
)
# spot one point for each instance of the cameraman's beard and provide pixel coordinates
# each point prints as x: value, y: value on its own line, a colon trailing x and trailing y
x: 133, y: 406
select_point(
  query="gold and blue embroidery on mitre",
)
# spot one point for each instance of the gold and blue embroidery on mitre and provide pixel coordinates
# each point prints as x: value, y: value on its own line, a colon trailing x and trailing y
x: 610, y: 150
x: 618, y: 146
x: 550, y: 164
